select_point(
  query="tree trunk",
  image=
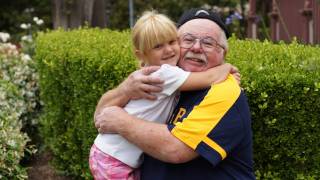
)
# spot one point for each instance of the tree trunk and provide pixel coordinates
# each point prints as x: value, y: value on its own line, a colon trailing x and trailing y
x: 70, y: 14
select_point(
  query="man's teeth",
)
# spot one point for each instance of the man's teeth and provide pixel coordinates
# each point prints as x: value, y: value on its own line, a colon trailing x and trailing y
x: 197, y: 60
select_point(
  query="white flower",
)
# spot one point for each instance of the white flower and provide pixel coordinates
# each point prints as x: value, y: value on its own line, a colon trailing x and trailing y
x: 35, y: 19
x: 26, y: 57
x: 40, y: 22
x: 23, y: 26
x: 24, y: 38
x: 216, y: 9
x: 27, y: 38
x: 29, y: 10
x: 2, y: 95
x: 12, y: 47
x: 11, y: 143
x: 4, y: 37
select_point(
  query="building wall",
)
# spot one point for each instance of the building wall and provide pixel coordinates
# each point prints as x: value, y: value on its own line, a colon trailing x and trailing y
x: 289, y: 19
x: 293, y: 23
x: 316, y: 15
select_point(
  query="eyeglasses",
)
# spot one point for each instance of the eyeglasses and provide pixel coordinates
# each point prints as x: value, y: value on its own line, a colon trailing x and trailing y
x: 208, y: 44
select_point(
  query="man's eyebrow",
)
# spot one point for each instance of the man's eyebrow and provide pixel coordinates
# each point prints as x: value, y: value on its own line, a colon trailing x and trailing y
x: 202, y: 37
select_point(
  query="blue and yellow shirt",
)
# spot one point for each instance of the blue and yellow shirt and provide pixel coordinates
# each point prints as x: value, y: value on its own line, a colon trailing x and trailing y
x: 216, y: 123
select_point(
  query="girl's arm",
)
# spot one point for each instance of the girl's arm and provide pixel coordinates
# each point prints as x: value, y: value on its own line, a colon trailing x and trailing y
x: 138, y: 85
x: 200, y: 80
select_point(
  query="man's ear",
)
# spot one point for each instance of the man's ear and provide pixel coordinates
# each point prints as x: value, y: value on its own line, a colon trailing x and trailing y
x: 225, y: 53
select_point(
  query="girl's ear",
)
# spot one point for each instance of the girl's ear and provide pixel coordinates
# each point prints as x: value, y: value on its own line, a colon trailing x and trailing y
x: 139, y: 54
x: 140, y: 57
x: 142, y: 64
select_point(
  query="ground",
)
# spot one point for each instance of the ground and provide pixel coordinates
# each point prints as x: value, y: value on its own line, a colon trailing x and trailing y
x: 40, y: 169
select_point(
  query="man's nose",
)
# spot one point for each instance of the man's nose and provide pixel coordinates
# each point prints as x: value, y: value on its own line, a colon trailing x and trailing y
x: 196, y: 46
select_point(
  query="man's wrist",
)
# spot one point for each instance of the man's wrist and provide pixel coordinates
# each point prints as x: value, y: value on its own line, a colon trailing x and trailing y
x: 123, y: 125
x: 123, y: 92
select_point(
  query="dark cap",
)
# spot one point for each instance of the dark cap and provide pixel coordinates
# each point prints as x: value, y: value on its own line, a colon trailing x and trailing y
x: 201, y: 13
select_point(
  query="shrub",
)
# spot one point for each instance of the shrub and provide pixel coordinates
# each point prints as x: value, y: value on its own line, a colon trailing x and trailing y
x: 281, y: 81
x: 13, y: 142
x: 20, y: 69
x: 18, y: 102
x: 76, y: 68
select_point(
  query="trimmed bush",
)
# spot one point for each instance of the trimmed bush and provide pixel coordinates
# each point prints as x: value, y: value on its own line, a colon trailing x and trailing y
x: 76, y: 68
x: 281, y: 80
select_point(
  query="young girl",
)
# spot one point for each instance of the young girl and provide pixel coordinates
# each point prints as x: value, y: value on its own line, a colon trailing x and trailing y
x: 155, y: 41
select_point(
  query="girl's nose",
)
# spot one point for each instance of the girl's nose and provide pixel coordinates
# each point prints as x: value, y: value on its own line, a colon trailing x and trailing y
x: 168, y: 48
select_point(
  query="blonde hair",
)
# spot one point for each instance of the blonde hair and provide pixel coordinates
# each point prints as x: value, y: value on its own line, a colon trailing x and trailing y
x: 151, y: 29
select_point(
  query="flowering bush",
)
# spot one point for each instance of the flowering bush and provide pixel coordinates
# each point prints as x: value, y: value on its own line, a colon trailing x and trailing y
x: 19, y: 106
x: 31, y: 29
x: 13, y: 142
x: 19, y: 69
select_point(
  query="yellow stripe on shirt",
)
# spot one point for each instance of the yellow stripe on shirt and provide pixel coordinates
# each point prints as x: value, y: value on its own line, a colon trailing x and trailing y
x: 204, y: 117
x: 216, y: 147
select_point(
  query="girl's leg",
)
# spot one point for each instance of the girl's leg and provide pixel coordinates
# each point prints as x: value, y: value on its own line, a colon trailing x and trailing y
x: 105, y: 167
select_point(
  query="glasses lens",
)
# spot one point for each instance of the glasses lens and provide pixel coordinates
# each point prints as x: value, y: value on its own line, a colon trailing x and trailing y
x: 187, y: 41
x: 208, y: 44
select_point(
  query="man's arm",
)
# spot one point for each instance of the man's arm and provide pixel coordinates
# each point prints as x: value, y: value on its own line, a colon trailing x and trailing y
x: 138, y: 85
x: 153, y: 138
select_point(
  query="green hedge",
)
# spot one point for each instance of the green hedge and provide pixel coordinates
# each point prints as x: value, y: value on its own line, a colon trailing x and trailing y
x: 76, y: 68
x: 281, y: 81
x: 282, y: 84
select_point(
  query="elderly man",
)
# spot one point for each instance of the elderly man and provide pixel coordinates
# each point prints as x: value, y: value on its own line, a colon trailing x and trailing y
x: 209, y: 133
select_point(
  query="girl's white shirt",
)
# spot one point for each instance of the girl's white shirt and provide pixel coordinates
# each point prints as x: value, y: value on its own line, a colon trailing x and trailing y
x: 156, y: 111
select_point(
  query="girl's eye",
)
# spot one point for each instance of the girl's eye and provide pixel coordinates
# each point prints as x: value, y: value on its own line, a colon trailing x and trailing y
x: 158, y: 46
x: 172, y: 42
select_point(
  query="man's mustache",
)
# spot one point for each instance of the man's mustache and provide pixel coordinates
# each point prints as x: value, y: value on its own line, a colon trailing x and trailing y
x: 200, y: 56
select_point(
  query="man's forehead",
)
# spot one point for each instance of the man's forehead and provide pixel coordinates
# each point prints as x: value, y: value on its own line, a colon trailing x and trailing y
x: 200, y: 27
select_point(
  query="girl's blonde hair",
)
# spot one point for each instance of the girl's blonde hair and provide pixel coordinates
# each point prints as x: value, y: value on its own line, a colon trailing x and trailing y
x: 151, y: 29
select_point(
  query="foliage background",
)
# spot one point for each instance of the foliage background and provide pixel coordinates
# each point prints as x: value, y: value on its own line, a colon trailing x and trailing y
x: 14, y: 13
x: 19, y: 100
x: 282, y: 83
x: 73, y: 78
x: 268, y: 75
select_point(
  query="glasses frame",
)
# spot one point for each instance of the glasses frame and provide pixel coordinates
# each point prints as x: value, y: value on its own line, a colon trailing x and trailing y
x: 216, y: 45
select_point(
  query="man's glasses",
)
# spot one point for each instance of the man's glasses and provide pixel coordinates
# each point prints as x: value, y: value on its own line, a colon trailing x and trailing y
x: 208, y: 44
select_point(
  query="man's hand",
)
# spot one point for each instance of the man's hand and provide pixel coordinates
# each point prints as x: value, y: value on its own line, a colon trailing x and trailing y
x: 110, y: 119
x: 153, y: 138
x: 139, y: 85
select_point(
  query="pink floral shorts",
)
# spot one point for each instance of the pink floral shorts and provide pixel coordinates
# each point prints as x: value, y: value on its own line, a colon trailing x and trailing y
x: 105, y: 167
